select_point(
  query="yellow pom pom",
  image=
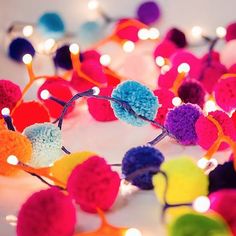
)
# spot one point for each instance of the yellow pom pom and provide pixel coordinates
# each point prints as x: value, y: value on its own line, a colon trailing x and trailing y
x: 186, y: 181
x: 62, y: 168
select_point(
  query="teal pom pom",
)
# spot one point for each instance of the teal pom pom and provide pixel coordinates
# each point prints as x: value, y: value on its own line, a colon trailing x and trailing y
x: 46, y: 141
x: 51, y: 25
x: 139, y: 97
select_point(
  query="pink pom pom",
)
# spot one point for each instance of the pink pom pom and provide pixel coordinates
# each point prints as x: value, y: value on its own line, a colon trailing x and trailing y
x: 225, y: 93
x: 215, y: 57
x: 94, y: 185
x: 233, y: 118
x: 165, y: 49
x: 101, y: 109
x: 91, y: 55
x: 223, y: 202
x: 167, y: 79
x: 231, y: 32
x: 232, y: 69
x: 47, y: 213
x: 227, y: 57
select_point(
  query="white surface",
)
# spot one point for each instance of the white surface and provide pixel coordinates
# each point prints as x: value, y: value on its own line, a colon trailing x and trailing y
x: 111, y: 140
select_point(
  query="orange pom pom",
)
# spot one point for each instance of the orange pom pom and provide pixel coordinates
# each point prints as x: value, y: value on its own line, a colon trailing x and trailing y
x: 13, y: 143
x: 2, y: 126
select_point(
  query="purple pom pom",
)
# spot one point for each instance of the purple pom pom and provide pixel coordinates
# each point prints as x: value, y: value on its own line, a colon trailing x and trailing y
x: 62, y: 58
x: 192, y: 92
x: 180, y: 122
x: 138, y: 158
x: 177, y: 37
x: 148, y: 12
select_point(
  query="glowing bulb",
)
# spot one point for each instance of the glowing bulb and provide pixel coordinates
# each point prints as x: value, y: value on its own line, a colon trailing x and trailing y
x: 45, y: 94
x: 5, y: 111
x: 201, y: 204
x: 28, y: 30
x: 93, y: 4
x: 160, y: 61
x: 184, y: 67
x: 202, y: 163
x: 12, y: 160
x: 74, y: 48
x: 133, y: 232
x: 27, y: 59
x: 154, y: 33
x: 176, y: 101
x: 221, y: 32
x: 196, y: 32
x: 165, y: 69
x: 105, y: 60
x: 143, y: 34
x: 49, y: 44
x: 128, y: 46
x: 96, y: 90
x: 11, y: 218
x: 210, y: 105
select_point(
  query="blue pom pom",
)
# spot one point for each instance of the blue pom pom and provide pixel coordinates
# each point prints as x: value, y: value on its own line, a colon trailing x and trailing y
x: 19, y: 47
x: 180, y: 122
x: 46, y: 141
x: 139, y: 97
x: 51, y: 25
x: 138, y: 158
x: 62, y: 58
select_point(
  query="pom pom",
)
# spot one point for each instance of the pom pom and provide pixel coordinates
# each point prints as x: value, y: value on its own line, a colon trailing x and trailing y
x: 177, y: 37
x: 184, y: 177
x: 223, y: 202
x: 58, y: 88
x: 192, y: 92
x: 148, y: 12
x: 10, y: 94
x: 225, y: 93
x: 222, y: 177
x: 101, y: 109
x: 51, y: 25
x: 180, y: 122
x: 18, y: 48
x: 165, y: 49
x: 63, y: 167
x: 231, y: 32
x: 128, y: 33
x: 140, y: 98
x: 62, y: 58
x: 29, y: 113
x: 232, y: 69
x: 167, y: 79
x: 215, y: 57
x: 138, y: 158
x: 46, y: 140
x: 228, y: 58
x: 90, y: 55
x: 47, y: 213
x: 233, y: 118
x: 94, y: 185
x: 13, y: 143
x: 198, y: 224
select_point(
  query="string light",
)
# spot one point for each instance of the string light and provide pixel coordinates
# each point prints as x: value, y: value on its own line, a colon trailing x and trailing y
x: 165, y: 69
x: 93, y: 4
x: 133, y: 232
x: 74, y: 48
x: 154, y: 33
x: 27, y: 59
x: 48, y: 45
x: 28, y: 30
x: 160, y: 61
x: 210, y: 106
x: 184, y: 67
x: 196, y: 32
x: 143, y: 34
x: 202, y: 163
x: 96, y: 90
x: 5, y: 111
x: 105, y: 59
x: 45, y: 94
x: 12, y: 160
x: 176, y: 101
x: 201, y: 204
x: 128, y: 46
x: 220, y: 32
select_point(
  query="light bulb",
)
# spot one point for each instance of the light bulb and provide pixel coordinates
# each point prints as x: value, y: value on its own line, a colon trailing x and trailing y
x: 210, y: 105
x: 27, y: 59
x: 143, y: 34
x: 196, y: 31
x: 221, y: 32
x: 12, y: 160
x: 48, y: 45
x: 5, y: 111
x: 93, y: 4
x: 45, y: 94
x: 184, y: 67
x: 154, y: 33
x: 105, y: 60
x: 133, y: 232
x: 28, y: 30
x: 201, y: 204
x: 165, y: 69
x: 202, y: 163
x: 176, y: 101
x: 74, y: 48
x: 160, y: 61
x: 96, y: 90
x: 128, y: 46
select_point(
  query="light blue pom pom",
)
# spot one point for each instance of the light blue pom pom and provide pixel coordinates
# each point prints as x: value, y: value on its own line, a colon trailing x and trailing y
x: 51, y: 25
x: 139, y: 97
x: 46, y: 141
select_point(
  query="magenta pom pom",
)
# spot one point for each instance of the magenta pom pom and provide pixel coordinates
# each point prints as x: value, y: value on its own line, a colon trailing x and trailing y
x: 231, y: 32
x: 90, y: 55
x: 47, y: 213
x: 165, y: 49
x: 214, y: 55
x: 167, y: 79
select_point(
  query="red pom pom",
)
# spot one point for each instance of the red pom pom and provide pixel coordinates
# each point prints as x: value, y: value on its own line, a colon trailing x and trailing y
x: 29, y: 113
x: 232, y: 69
x: 94, y: 185
x: 128, y: 33
x: 215, y: 57
x: 47, y: 213
x: 91, y: 55
x: 225, y: 93
x: 233, y: 117
x: 101, y: 109
x: 165, y: 97
x: 165, y: 49
x: 10, y: 94
x: 58, y: 88
x: 167, y: 80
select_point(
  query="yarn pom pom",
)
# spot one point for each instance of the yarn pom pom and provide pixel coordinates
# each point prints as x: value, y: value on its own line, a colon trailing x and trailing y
x: 233, y: 118
x: 231, y: 32
x: 138, y: 158
x: 94, y: 185
x: 46, y: 140
x: 177, y: 36
x: 148, y: 12
x: 13, y: 143
x: 29, y: 113
x: 58, y: 88
x: 165, y: 49
x: 63, y: 167
x: 184, y: 177
x: 180, y: 122
x: 10, y: 94
x: 225, y: 93
x: 139, y: 97
x: 198, y: 224
x: 223, y: 202
x: 101, y: 109
x: 167, y: 79
x: 222, y: 177
x: 51, y: 25
x: 18, y: 48
x: 192, y: 92
x: 90, y: 55
x: 62, y: 58
x: 47, y: 213
x: 213, y: 55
